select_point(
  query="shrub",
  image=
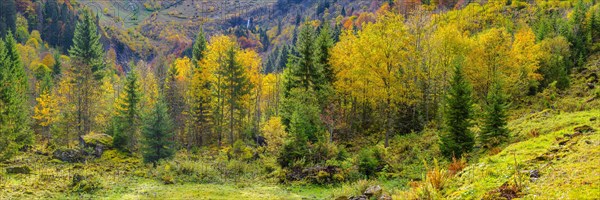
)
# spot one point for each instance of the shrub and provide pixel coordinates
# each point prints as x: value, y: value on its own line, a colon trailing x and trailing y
x: 198, y: 172
x: 367, y: 162
x: 240, y: 151
x: 437, y: 176
x: 323, y: 177
x: 323, y: 151
x: 85, y: 184
x: 188, y: 171
x: 290, y: 153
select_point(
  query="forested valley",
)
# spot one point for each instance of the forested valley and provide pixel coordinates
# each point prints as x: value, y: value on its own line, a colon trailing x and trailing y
x: 292, y: 99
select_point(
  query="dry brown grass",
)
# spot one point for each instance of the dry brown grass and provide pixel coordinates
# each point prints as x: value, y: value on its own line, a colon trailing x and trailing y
x: 457, y: 165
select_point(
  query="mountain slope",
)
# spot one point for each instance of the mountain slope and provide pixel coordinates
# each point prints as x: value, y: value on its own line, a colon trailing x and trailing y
x: 559, y: 163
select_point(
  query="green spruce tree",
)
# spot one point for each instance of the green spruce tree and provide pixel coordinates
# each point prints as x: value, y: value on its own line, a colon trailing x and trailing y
x: 87, y: 54
x: 323, y: 44
x: 157, y: 132
x: 303, y: 70
x: 235, y: 85
x: 199, y: 48
x: 14, y: 114
x: 457, y: 139
x: 127, y: 120
x: 494, y: 129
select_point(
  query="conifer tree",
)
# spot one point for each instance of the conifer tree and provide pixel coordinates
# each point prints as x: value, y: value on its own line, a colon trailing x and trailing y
x: 199, y: 48
x: 303, y: 70
x: 457, y: 138
x: 57, y: 67
x: 281, y: 59
x: 14, y: 119
x: 157, y: 132
x: 127, y: 119
x: 236, y: 84
x: 323, y: 44
x: 494, y: 129
x: 200, y: 93
x: 87, y: 53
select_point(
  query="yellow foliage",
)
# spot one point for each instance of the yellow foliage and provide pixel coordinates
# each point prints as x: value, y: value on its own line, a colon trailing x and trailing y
x: 525, y: 60
x: 274, y: 132
x: 269, y: 91
x: 28, y: 54
x: 514, y: 62
x: 32, y: 42
x: 46, y: 110
x: 488, y: 58
x: 184, y: 67
x: 216, y: 51
x: 149, y: 87
x: 106, y: 101
x: 48, y: 60
x: 252, y: 62
x: 367, y: 64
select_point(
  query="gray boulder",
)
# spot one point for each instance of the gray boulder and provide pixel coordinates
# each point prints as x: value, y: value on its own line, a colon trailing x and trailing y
x: 373, y: 191
x: 69, y: 155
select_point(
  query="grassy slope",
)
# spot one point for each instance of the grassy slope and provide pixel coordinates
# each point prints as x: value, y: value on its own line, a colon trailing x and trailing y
x: 568, y: 166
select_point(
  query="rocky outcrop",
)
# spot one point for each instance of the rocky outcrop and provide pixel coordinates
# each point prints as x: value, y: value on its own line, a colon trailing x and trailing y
x: 69, y: 155
x: 99, y: 142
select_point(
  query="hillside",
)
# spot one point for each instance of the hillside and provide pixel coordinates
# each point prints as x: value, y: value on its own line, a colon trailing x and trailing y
x: 160, y: 28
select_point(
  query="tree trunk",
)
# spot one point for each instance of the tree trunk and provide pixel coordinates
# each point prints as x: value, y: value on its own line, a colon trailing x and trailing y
x: 389, y: 124
x: 231, y: 124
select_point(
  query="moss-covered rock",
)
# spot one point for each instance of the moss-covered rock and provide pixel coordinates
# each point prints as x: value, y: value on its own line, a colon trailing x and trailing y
x: 69, y: 155
x: 18, y: 170
x: 94, y: 139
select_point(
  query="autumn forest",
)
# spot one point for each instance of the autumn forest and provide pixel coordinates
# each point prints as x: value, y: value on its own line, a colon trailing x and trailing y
x: 292, y: 99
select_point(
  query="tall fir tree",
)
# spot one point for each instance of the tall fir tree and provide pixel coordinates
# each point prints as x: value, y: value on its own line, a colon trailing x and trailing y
x: 303, y: 70
x: 323, y: 44
x: 494, y: 129
x: 236, y: 85
x: 200, y: 108
x: 14, y: 114
x: 457, y: 139
x: 281, y: 59
x: 127, y: 119
x: 87, y: 53
x: 199, y: 48
x: 157, y: 132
